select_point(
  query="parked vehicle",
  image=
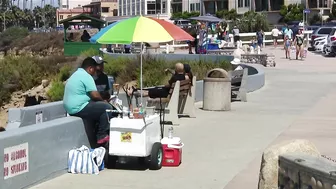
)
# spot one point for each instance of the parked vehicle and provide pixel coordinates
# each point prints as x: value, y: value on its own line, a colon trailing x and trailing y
x: 183, y: 23
x: 331, y: 40
x: 319, y: 43
x: 320, y: 32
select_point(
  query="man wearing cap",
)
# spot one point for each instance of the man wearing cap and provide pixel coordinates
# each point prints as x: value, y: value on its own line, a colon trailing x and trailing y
x: 82, y: 99
x: 101, y: 79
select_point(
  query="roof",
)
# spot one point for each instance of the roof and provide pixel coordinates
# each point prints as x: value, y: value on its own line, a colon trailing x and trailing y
x: 71, y: 10
x: 83, y: 18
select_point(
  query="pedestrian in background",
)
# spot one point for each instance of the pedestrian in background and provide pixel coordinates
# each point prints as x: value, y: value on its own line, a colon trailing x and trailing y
x: 275, y: 36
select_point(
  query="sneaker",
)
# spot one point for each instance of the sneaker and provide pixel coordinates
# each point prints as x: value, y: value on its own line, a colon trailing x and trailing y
x: 104, y: 140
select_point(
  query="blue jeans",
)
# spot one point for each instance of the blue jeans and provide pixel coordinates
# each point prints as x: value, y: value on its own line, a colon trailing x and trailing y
x: 96, y: 112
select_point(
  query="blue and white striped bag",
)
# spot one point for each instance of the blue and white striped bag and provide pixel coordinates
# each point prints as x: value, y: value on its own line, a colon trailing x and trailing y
x: 85, y: 161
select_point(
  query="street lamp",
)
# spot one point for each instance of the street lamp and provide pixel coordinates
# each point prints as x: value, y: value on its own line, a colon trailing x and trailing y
x: 4, y: 20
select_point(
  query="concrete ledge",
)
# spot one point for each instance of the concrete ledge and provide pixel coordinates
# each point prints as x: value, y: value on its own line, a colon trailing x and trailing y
x: 20, y: 117
x: 306, y: 171
x: 48, y: 147
x: 176, y: 57
x: 255, y: 80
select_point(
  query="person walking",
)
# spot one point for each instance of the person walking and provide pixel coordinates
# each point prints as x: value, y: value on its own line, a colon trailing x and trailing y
x: 288, y: 32
x: 275, y: 36
x: 298, y: 41
x: 260, y: 37
x: 287, y: 46
x: 236, y: 36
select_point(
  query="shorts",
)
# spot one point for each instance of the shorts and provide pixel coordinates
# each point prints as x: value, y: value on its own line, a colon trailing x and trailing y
x: 275, y: 38
x: 260, y: 42
x: 236, y: 38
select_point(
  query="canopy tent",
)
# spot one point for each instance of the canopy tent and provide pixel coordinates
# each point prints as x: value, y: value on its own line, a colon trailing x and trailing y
x: 75, y: 48
x: 83, y: 19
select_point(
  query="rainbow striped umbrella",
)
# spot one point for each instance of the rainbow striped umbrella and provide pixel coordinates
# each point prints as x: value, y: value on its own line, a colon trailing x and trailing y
x: 140, y: 29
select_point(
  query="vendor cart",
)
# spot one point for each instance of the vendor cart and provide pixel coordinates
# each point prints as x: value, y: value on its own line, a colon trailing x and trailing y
x: 136, y: 138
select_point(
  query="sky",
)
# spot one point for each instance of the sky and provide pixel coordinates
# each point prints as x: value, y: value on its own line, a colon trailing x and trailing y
x: 35, y: 3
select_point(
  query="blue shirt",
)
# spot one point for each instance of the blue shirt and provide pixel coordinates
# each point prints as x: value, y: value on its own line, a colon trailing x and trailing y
x: 76, y: 93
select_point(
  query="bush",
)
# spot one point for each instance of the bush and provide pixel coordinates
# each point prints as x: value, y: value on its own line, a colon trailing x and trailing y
x: 25, y: 72
x: 12, y: 34
x: 56, y: 91
x: 128, y: 69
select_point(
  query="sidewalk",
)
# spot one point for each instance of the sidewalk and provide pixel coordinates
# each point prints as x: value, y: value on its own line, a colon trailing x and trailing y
x: 219, y: 145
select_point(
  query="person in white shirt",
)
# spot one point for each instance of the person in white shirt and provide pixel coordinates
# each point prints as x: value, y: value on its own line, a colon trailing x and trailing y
x: 275, y: 35
x: 236, y: 64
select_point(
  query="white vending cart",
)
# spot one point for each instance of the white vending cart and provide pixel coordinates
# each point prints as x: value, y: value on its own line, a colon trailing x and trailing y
x: 137, y: 138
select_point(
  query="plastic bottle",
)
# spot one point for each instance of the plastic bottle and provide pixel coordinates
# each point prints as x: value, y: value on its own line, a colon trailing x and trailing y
x: 170, y: 132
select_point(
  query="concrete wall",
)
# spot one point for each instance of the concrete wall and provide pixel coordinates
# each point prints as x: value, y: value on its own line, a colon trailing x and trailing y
x: 20, y: 117
x: 48, y: 147
x: 176, y: 57
x: 306, y: 171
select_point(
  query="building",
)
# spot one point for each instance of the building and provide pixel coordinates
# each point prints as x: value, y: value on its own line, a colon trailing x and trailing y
x: 71, y: 4
x: 102, y: 8
x: 66, y: 13
x: 144, y: 7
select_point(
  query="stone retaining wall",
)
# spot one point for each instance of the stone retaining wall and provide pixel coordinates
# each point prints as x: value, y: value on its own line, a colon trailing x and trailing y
x: 304, y: 171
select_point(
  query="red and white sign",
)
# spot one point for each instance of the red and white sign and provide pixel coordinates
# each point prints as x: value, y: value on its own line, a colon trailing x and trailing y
x: 16, y: 160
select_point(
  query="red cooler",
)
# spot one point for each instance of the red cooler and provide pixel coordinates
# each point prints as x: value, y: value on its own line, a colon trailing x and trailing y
x: 172, y: 151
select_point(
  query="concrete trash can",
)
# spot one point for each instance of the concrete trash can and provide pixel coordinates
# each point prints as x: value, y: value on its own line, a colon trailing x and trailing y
x: 217, y: 90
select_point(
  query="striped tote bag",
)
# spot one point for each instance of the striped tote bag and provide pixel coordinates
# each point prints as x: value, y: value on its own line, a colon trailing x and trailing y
x: 85, y: 161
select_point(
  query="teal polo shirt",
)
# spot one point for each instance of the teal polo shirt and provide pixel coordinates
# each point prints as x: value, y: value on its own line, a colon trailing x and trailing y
x: 77, y: 89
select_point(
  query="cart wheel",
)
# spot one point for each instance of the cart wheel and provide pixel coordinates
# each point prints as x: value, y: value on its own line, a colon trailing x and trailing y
x: 156, y: 157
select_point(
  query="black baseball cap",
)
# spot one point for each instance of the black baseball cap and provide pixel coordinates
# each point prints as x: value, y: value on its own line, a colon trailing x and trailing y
x: 99, y: 60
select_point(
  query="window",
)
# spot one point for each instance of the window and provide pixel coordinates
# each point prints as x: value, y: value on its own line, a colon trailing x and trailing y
x: 138, y: 8
x: 197, y: 6
x: 128, y: 7
x: 240, y: 3
x: 164, y: 7
x: 61, y: 17
x: 64, y: 6
x: 324, y: 31
x: 105, y: 9
x: 247, y: 3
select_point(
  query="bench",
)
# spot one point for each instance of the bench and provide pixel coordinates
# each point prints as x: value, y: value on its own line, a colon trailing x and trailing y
x: 254, y: 59
x: 238, y: 85
x: 180, y: 101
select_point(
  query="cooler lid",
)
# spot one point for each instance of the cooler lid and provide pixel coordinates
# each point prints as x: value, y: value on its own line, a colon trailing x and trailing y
x: 174, y: 140
x: 126, y: 123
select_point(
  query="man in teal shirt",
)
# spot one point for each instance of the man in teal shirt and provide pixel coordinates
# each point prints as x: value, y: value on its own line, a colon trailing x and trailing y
x: 82, y: 99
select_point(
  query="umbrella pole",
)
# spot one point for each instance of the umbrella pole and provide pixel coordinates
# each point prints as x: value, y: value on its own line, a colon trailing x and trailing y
x: 141, y: 74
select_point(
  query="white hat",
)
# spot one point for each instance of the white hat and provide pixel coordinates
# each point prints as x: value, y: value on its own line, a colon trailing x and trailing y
x: 235, y: 61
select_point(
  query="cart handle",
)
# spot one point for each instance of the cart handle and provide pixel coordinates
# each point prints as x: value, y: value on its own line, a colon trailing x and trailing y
x: 175, y: 146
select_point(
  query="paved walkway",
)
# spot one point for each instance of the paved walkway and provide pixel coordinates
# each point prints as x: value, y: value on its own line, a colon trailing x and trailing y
x: 223, y: 149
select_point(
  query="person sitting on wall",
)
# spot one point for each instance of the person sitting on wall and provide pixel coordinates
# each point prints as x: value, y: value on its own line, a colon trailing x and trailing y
x: 101, y: 79
x: 82, y: 99
x: 70, y: 38
x: 161, y: 92
x: 187, y: 72
x: 85, y: 36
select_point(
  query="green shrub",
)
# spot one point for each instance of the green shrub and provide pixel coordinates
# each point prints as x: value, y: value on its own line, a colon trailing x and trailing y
x: 56, y: 91
x: 64, y: 73
x: 25, y: 72
x: 128, y: 69
x: 90, y: 52
x: 12, y: 34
